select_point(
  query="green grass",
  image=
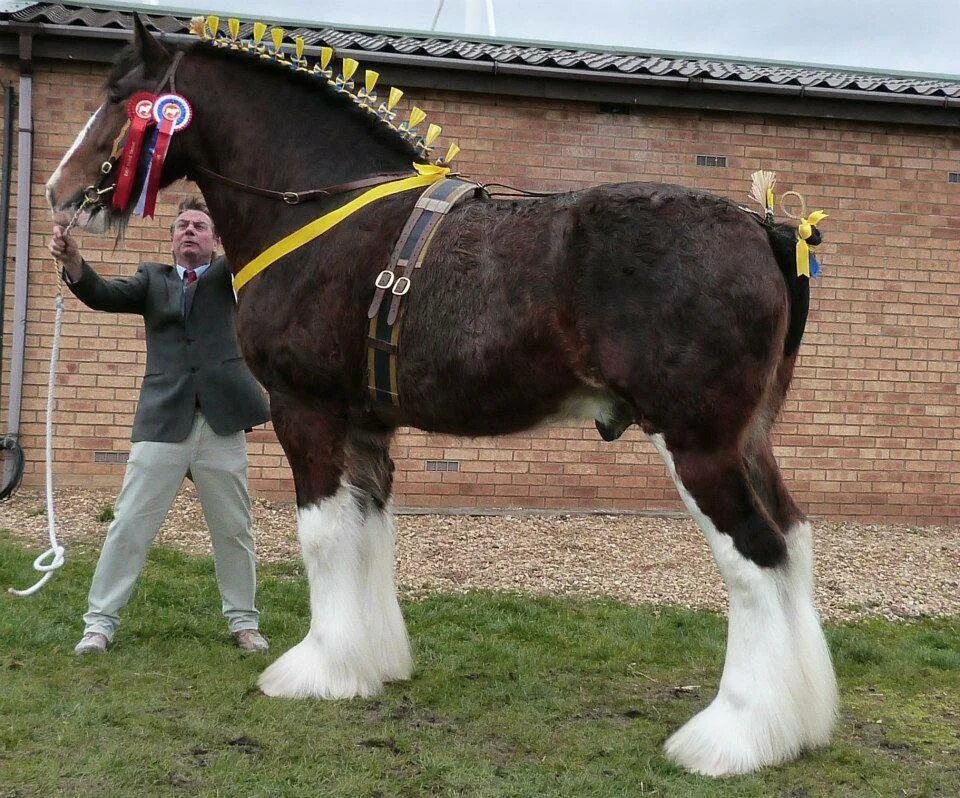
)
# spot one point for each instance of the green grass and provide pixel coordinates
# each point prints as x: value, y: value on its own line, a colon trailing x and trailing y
x: 105, y: 514
x: 512, y: 696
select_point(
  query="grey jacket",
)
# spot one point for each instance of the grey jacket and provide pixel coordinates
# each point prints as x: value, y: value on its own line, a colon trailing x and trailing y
x: 192, y: 359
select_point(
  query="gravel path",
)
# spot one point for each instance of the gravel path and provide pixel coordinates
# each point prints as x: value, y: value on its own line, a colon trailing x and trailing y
x: 893, y: 571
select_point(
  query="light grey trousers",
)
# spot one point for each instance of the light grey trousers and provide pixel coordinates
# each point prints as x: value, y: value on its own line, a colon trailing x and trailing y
x: 155, y: 472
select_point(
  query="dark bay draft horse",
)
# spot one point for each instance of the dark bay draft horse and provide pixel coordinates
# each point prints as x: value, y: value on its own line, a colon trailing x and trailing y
x: 636, y: 303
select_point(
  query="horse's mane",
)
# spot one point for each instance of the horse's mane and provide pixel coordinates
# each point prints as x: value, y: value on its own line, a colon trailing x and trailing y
x: 382, y: 130
x: 312, y: 83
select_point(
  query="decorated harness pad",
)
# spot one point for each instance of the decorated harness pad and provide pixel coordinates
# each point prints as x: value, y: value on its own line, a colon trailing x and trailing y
x: 395, y: 282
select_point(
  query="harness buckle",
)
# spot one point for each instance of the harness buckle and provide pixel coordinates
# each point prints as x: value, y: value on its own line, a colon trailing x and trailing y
x: 385, y: 279
x: 401, y: 286
x: 106, y: 167
x: 291, y: 197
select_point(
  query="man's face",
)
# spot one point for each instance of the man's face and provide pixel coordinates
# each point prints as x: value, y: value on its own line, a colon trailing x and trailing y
x: 194, y: 241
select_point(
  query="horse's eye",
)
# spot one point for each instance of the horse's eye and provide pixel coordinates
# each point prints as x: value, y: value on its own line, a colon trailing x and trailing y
x: 115, y: 97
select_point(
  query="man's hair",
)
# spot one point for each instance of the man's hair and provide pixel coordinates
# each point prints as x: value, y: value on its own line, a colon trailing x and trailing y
x: 194, y: 204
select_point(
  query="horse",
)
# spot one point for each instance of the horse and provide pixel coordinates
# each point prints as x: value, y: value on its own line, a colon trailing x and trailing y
x: 635, y: 303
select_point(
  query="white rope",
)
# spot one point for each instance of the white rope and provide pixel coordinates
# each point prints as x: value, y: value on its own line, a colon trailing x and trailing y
x: 56, y: 554
x: 54, y: 557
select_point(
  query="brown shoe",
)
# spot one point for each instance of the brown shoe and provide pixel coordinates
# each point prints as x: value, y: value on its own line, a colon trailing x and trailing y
x: 251, y: 640
x: 91, y: 643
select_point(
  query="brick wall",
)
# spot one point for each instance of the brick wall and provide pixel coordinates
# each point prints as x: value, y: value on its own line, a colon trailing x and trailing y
x: 871, y: 429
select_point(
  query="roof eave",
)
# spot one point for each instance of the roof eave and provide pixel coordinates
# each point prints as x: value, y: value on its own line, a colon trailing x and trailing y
x: 100, y: 45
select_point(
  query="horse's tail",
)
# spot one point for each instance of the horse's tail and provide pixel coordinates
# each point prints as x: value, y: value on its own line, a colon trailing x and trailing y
x: 783, y: 242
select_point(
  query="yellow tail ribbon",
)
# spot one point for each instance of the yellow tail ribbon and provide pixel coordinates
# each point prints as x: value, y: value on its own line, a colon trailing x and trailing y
x: 427, y: 174
x: 804, y: 231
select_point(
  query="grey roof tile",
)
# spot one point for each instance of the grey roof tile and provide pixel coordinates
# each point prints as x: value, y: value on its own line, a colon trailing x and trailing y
x: 626, y: 63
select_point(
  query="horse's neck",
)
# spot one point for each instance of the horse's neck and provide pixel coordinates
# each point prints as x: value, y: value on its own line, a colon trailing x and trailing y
x: 292, y: 143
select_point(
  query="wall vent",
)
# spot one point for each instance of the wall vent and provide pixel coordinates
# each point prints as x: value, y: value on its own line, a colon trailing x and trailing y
x: 616, y: 110
x: 711, y: 160
x: 442, y: 465
x: 110, y: 457
x: 953, y: 177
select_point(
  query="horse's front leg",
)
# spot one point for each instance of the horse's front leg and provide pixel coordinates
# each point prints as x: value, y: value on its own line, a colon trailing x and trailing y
x: 350, y: 648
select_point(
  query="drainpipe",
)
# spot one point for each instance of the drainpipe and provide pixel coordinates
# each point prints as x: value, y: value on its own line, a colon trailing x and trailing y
x: 24, y: 186
x: 5, y: 204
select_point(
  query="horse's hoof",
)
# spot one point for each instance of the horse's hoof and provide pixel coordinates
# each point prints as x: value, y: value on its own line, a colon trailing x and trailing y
x: 308, y: 671
x: 720, y: 741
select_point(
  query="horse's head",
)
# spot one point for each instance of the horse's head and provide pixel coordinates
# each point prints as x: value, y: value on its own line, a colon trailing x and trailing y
x: 89, y: 168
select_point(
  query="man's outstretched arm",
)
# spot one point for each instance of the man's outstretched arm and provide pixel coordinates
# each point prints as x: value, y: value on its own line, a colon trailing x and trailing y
x: 121, y: 295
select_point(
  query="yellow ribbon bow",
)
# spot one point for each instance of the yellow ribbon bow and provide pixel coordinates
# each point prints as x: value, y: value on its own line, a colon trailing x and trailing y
x: 804, y: 231
x: 431, y: 170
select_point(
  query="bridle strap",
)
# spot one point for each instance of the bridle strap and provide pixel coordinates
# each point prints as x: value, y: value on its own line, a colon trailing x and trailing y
x: 298, y: 197
x: 170, y: 75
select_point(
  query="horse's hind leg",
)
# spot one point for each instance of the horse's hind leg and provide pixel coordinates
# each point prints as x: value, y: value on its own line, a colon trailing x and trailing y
x: 343, y: 654
x: 777, y: 693
x: 819, y: 705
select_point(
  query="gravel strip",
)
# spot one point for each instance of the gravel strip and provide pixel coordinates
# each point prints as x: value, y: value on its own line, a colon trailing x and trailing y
x: 893, y: 571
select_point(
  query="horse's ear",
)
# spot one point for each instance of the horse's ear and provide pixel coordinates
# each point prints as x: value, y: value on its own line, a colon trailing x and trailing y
x: 153, y: 54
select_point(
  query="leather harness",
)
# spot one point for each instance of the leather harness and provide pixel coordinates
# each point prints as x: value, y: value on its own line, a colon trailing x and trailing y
x: 408, y: 255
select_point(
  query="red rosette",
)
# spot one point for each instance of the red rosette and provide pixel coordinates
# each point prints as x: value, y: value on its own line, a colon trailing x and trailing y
x: 140, y: 106
x: 140, y: 113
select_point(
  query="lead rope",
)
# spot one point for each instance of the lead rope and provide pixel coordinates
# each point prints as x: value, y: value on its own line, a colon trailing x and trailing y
x: 54, y: 557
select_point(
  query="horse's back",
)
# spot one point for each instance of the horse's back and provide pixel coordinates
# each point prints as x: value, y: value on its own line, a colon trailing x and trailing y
x: 521, y: 303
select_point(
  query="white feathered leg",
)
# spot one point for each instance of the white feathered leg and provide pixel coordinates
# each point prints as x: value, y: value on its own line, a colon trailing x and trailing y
x: 386, y: 627
x: 778, y: 692
x: 337, y: 658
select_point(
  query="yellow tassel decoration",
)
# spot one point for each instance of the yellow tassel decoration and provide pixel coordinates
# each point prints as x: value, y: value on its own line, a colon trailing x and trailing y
x: 366, y: 97
x: 213, y: 22
x: 417, y: 115
x: 326, y: 55
x: 233, y: 25
x: 299, y: 44
x: 452, y: 151
x: 258, y: 30
x: 343, y: 83
x: 432, y: 132
x: 277, y: 35
x: 385, y: 111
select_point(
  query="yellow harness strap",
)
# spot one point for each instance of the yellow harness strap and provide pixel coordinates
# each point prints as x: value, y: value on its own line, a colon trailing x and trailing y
x: 426, y: 175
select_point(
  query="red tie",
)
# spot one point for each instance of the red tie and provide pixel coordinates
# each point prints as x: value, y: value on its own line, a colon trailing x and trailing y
x: 189, y: 276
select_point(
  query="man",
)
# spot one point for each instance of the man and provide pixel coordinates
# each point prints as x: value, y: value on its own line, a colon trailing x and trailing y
x: 196, y: 400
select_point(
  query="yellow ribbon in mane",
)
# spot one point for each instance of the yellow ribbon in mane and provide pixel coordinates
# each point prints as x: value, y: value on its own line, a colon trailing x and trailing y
x: 804, y: 231
x: 427, y: 174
